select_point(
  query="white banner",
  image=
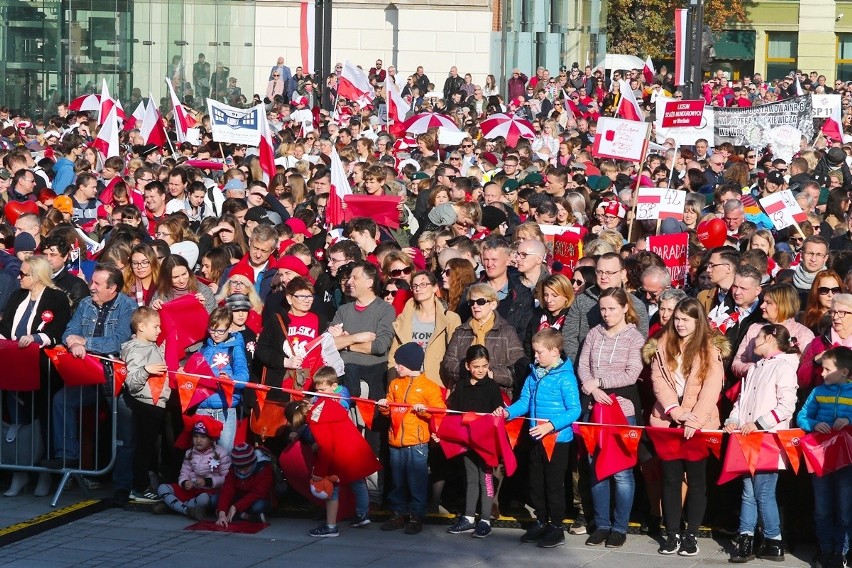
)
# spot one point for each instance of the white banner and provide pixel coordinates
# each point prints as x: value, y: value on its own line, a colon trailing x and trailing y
x: 783, y: 209
x: 660, y: 203
x: 823, y: 104
x: 235, y: 125
x: 683, y: 136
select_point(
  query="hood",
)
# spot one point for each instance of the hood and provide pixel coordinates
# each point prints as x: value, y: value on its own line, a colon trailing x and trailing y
x: 653, y: 345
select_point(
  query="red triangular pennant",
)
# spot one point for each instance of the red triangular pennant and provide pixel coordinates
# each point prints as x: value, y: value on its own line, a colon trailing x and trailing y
x: 367, y: 408
x: 549, y: 443
x: 186, y: 385
x: 469, y: 417
x: 789, y: 440
x: 227, y: 386
x: 155, y: 383
x: 119, y: 375
x: 588, y: 433
x: 750, y: 446
x: 513, y: 430
x: 260, y: 396
x: 507, y: 453
x: 397, y: 415
x: 435, y: 421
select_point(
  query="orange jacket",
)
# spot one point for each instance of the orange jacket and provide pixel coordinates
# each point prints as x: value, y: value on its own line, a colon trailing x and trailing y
x: 414, y: 428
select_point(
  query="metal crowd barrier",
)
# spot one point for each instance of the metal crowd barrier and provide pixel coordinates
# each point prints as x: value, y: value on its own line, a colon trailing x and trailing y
x: 30, y: 432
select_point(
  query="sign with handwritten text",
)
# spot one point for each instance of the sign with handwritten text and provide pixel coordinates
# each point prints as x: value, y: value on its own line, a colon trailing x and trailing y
x: 621, y: 139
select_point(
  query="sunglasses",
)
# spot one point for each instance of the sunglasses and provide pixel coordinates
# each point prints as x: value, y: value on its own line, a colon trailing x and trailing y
x: 577, y: 281
x: 397, y: 272
x: 389, y: 293
x: 479, y: 302
x: 825, y: 290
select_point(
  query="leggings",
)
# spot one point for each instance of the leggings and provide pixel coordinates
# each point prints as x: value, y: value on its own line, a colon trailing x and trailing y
x: 480, y: 486
x: 696, y: 494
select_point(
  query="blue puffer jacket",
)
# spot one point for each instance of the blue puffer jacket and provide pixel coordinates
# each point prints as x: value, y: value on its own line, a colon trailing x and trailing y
x: 826, y: 403
x: 236, y: 368
x: 554, y: 397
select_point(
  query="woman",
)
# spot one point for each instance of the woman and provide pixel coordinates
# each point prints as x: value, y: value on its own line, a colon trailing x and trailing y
x: 687, y: 374
x: 37, y: 314
x: 555, y: 295
x: 213, y: 265
x: 397, y: 264
x: 396, y: 292
x: 666, y: 303
x: 227, y: 231
x: 692, y: 210
x: 364, y: 151
x: 584, y: 276
x: 486, y: 327
x: 240, y: 282
x: 827, y: 284
x: 839, y: 334
x: 490, y: 89
x: 836, y: 207
x: 142, y: 274
x: 546, y: 144
x: 439, y: 194
x: 780, y: 306
x: 177, y: 280
x: 457, y: 275
x: 426, y: 320
x: 175, y: 231
x: 610, y: 364
x: 425, y: 146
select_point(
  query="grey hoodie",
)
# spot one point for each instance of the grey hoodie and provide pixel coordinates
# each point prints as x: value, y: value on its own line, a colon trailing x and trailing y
x: 136, y: 355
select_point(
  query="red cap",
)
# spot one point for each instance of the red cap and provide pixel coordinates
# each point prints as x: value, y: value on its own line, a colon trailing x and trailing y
x: 298, y: 226
x: 615, y: 208
x: 293, y: 263
x: 243, y: 269
x: 198, y: 424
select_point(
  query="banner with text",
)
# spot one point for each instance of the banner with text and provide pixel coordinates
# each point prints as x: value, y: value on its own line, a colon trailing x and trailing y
x: 234, y: 125
x: 674, y: 250
x: 751, y: 126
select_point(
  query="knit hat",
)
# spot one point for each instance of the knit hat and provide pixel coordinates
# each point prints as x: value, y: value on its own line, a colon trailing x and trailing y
x: 294, y: 264
x: 492, y: 217
x: 242, y: 269
x: 24, y: 242
x: 615, y: 208
x: 243, y: 455
x: 64, y: 204
x: 410, y: 355
x: 238, y: 303
x: 443, y: 215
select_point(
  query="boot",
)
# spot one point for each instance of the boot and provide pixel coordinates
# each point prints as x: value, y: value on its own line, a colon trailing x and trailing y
x: 772, y: 549
x: 43, y: 486
x: 744, y: 550
x: 19, y: 482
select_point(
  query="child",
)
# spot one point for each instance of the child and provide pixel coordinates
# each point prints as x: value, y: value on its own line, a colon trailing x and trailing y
x: 225, y: 353
x: 766, y: 402
x: 409, y: 442
x: 247, y: 491
x: 550, y: 395
x: 826, y: 409
x: 477, y: 394
x: 146, y: 391
x: 205, y: 466
x: 326, y: 381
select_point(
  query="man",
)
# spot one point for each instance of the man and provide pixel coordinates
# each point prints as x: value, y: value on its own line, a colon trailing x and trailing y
x: 155, y: 205
x: 421, y: 81
x: 654, y: 280
x: 514, y: 300
x: 85, y: 201
x: 23, y: 186
x: 530, y: 259
x: 263, y: 242
x: 377, y: 72
x: 745, y: 291
x: 721, y: 267
x: 201, y: 77
x: 734, y: 215
x: 71, y: 148
x: 702, y: 150
x: 29, y: 223
x: 178, y: 180
x: 453, y: 83
x: 814, y: 256
x: 774, y: 182
x: 57, y: 251
x: 715, y: 172
x: 556, y: 182
x: 327, y: 288
x: 584, y: 313
x: 510, y: 167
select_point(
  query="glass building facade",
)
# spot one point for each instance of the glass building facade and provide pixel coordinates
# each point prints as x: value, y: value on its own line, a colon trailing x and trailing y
x: 53, y: 51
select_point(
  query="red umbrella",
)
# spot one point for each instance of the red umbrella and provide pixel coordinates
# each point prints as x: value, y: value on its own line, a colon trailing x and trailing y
x: 86, y: 102
x: 509, y: 127
x: 420, y: 123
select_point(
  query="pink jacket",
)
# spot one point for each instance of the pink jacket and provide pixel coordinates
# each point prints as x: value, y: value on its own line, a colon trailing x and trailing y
x: 768, y: 393
x: 212, y: 464
x: 745, y: 358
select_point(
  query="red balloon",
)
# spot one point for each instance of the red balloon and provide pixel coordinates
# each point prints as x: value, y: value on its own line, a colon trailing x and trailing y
x: 712, y: 233
x: 15, y: 209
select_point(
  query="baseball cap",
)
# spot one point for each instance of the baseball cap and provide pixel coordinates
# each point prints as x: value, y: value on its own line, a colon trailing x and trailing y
x: 775, y: 177
x: 258, y: 215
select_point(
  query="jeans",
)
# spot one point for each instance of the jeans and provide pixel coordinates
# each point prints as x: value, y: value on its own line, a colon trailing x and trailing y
x: 410, y: 474
x: 65, y: 410
x: 362, y: 497
x: 625, y: 487
x: 759, y: 497
x: 229, y: 425
x: 833, y: 509
x: 256, y: 508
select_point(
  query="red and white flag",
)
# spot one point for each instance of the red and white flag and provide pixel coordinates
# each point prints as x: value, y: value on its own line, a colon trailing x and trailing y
x: 137, y: 117
x: 152, y: 124
x: 783, y: 209
x: 339, y: 189
x: 307, y: 29
x: 183, y: 121
x: 265, y: 148
x: 396, y: 104
x: 648, y: 71
x: 354, y: 84
x: 832, y: 127
x: 628, y: 108
x: 799, y: 90
x: 106, y: 104
x: 107, y: 141
x: 680, y: 47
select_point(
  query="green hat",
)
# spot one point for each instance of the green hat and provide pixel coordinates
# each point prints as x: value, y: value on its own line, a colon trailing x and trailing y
x: 533, y: 179
x: 599, y: 183
x: 420, y: 175
x: 510, y: 185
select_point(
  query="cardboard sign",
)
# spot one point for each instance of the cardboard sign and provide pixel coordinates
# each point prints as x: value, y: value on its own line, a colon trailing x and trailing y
x: 674, y: 250
x: 783, y: 209
x: 660, y: 203
x: 568, y: 249
x: 683, y: 114
x: 621, y: 139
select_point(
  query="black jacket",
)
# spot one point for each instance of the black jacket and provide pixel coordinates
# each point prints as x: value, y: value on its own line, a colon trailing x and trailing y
x: 482, y: 396
x: 74, y: 286
x: 516, y: 308
x: 453, y: 85
x: 53, y: 301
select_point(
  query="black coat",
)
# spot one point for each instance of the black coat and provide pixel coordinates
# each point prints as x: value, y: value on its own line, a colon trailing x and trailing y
x: 73, y: 286
x: 52, y: 300
x: 482, y: 396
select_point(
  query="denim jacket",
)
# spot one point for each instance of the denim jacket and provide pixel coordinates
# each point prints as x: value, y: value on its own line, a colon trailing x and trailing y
x: 116, y: 327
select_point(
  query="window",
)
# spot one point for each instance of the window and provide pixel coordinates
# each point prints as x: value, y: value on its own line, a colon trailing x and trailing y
x: 781, y: 54
x: 844, y: 57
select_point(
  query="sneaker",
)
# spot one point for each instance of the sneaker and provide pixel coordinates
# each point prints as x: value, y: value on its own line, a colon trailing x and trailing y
x: 413, y: 526
x: 579, y: 525
x: 671, y: 545
x: 262, y: 518
x: 159, y: 508
x: 483, y: 529
x: 598, y: 537
x: 535, y: 533
x: 555, y: 536
x: 146, y: 496
x: 689, y: 545
x: 196, y: 513
x: 360, y: 521
x: 394, y: 523
x: 462, y: 525
x: 772, y: 549
x: 616, y: 539
x: 324, y: 531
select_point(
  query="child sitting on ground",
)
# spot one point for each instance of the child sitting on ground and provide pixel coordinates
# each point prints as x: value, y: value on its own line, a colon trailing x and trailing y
x: 247, y: 493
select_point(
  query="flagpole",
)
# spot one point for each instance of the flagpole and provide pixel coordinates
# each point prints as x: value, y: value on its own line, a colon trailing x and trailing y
x: 169, y: 140
x: 638, y: 181
x: 674, y: 161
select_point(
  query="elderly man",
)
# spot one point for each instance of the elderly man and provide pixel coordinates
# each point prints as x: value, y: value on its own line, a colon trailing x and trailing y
x: 654, y: 281
x: 733, y: 215
x: 262, y: 244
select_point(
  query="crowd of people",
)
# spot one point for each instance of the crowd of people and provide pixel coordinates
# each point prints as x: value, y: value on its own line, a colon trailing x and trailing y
x: 457, y: 304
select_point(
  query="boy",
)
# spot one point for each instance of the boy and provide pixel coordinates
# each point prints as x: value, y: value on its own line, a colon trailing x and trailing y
x: 550, y: 397
x: 146, y: 391
x: 828, y: 409
x: 248, y: 488
x: 326, y: 381
x: 409, y: 439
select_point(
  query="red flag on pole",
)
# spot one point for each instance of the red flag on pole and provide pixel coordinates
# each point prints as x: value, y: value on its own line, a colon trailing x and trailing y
x: 680, y: 47
x: 628, y: 108
x: 648, y: 71
x: 339, y: 189
x: 307, y: 34
x: 265, y: 147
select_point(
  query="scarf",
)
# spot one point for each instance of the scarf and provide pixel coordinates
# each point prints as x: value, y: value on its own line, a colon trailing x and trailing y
x: 541, y: 371
x: 480, y: 330
x: 801, y: 279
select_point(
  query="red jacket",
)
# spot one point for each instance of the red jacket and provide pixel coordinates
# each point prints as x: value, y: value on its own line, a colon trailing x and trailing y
x: 243, y: 493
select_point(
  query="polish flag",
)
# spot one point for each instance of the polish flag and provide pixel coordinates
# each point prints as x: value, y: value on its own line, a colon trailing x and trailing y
x: 137, y: 117
x: 307, y: 29
x: 680, y: 47
x: 106, y: 104
x: 832, y: 128
x: 183, y: 121
x: 107, y: 141
x: 152, y: 124
x: 265, y: 147
x: 628, y: 108
x: 799, y: 90
x: 397, y: 106
x: 648, y: 71
x: 354, y: 84
x: 339, y: 189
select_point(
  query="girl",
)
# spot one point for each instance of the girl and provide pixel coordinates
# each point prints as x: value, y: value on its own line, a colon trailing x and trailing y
x: 478, y: 394
x: 204, y: 468
x: 766, y: 402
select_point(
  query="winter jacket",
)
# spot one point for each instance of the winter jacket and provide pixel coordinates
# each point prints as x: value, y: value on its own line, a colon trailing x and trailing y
x: 768, y: 393
x: 699, y: 396
x: 508, y: 361
x: 516, y: 308
x: 482, y: 396
x: 212, y: 466
x: 826, y: 403
x: 136, y: 354
x: 242, y: 493
x: 116, y: 327
x: 611, y: 362
x: 585, y: 313
x: 63, y: 175
x: 810, y: 371
x: 553, y: 397
x: 231, y: 360
x: 745, y: 358
x: 414, y: 429
x: 46, y: 334
x: 446, y: 323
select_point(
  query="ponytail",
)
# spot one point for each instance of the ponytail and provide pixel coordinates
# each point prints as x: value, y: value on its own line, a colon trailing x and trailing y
x: 781, y: 334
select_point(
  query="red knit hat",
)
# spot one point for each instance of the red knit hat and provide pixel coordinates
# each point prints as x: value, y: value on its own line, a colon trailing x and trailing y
x: 290, y: 262
x: 198, y: 424
x: 243, y: 269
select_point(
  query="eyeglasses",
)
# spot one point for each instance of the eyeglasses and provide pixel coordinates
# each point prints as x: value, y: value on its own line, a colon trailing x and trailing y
x: 421, y: 286
x: 479, y: 302
x: 389, y: 293
x: 467, y: 145
x: 303, y: 297
x: 140, y: 264
x: 839, y: 313
x: 397, y: 272
x: 607, y: 272
x: 648, y: 294
x: 237, y: 284
x: 217, y: 331
x: 22, y: 274
x: 276, y: 75
x: 715, y: 264
x: 577, y: 281
x: 750, y: 156
x: 455, y: 158
x: 524, y: 255
x: 825, y: 290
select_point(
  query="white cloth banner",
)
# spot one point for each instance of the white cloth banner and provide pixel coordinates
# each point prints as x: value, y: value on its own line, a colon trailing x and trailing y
x: 235, y: 125
x: 683, y: 136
